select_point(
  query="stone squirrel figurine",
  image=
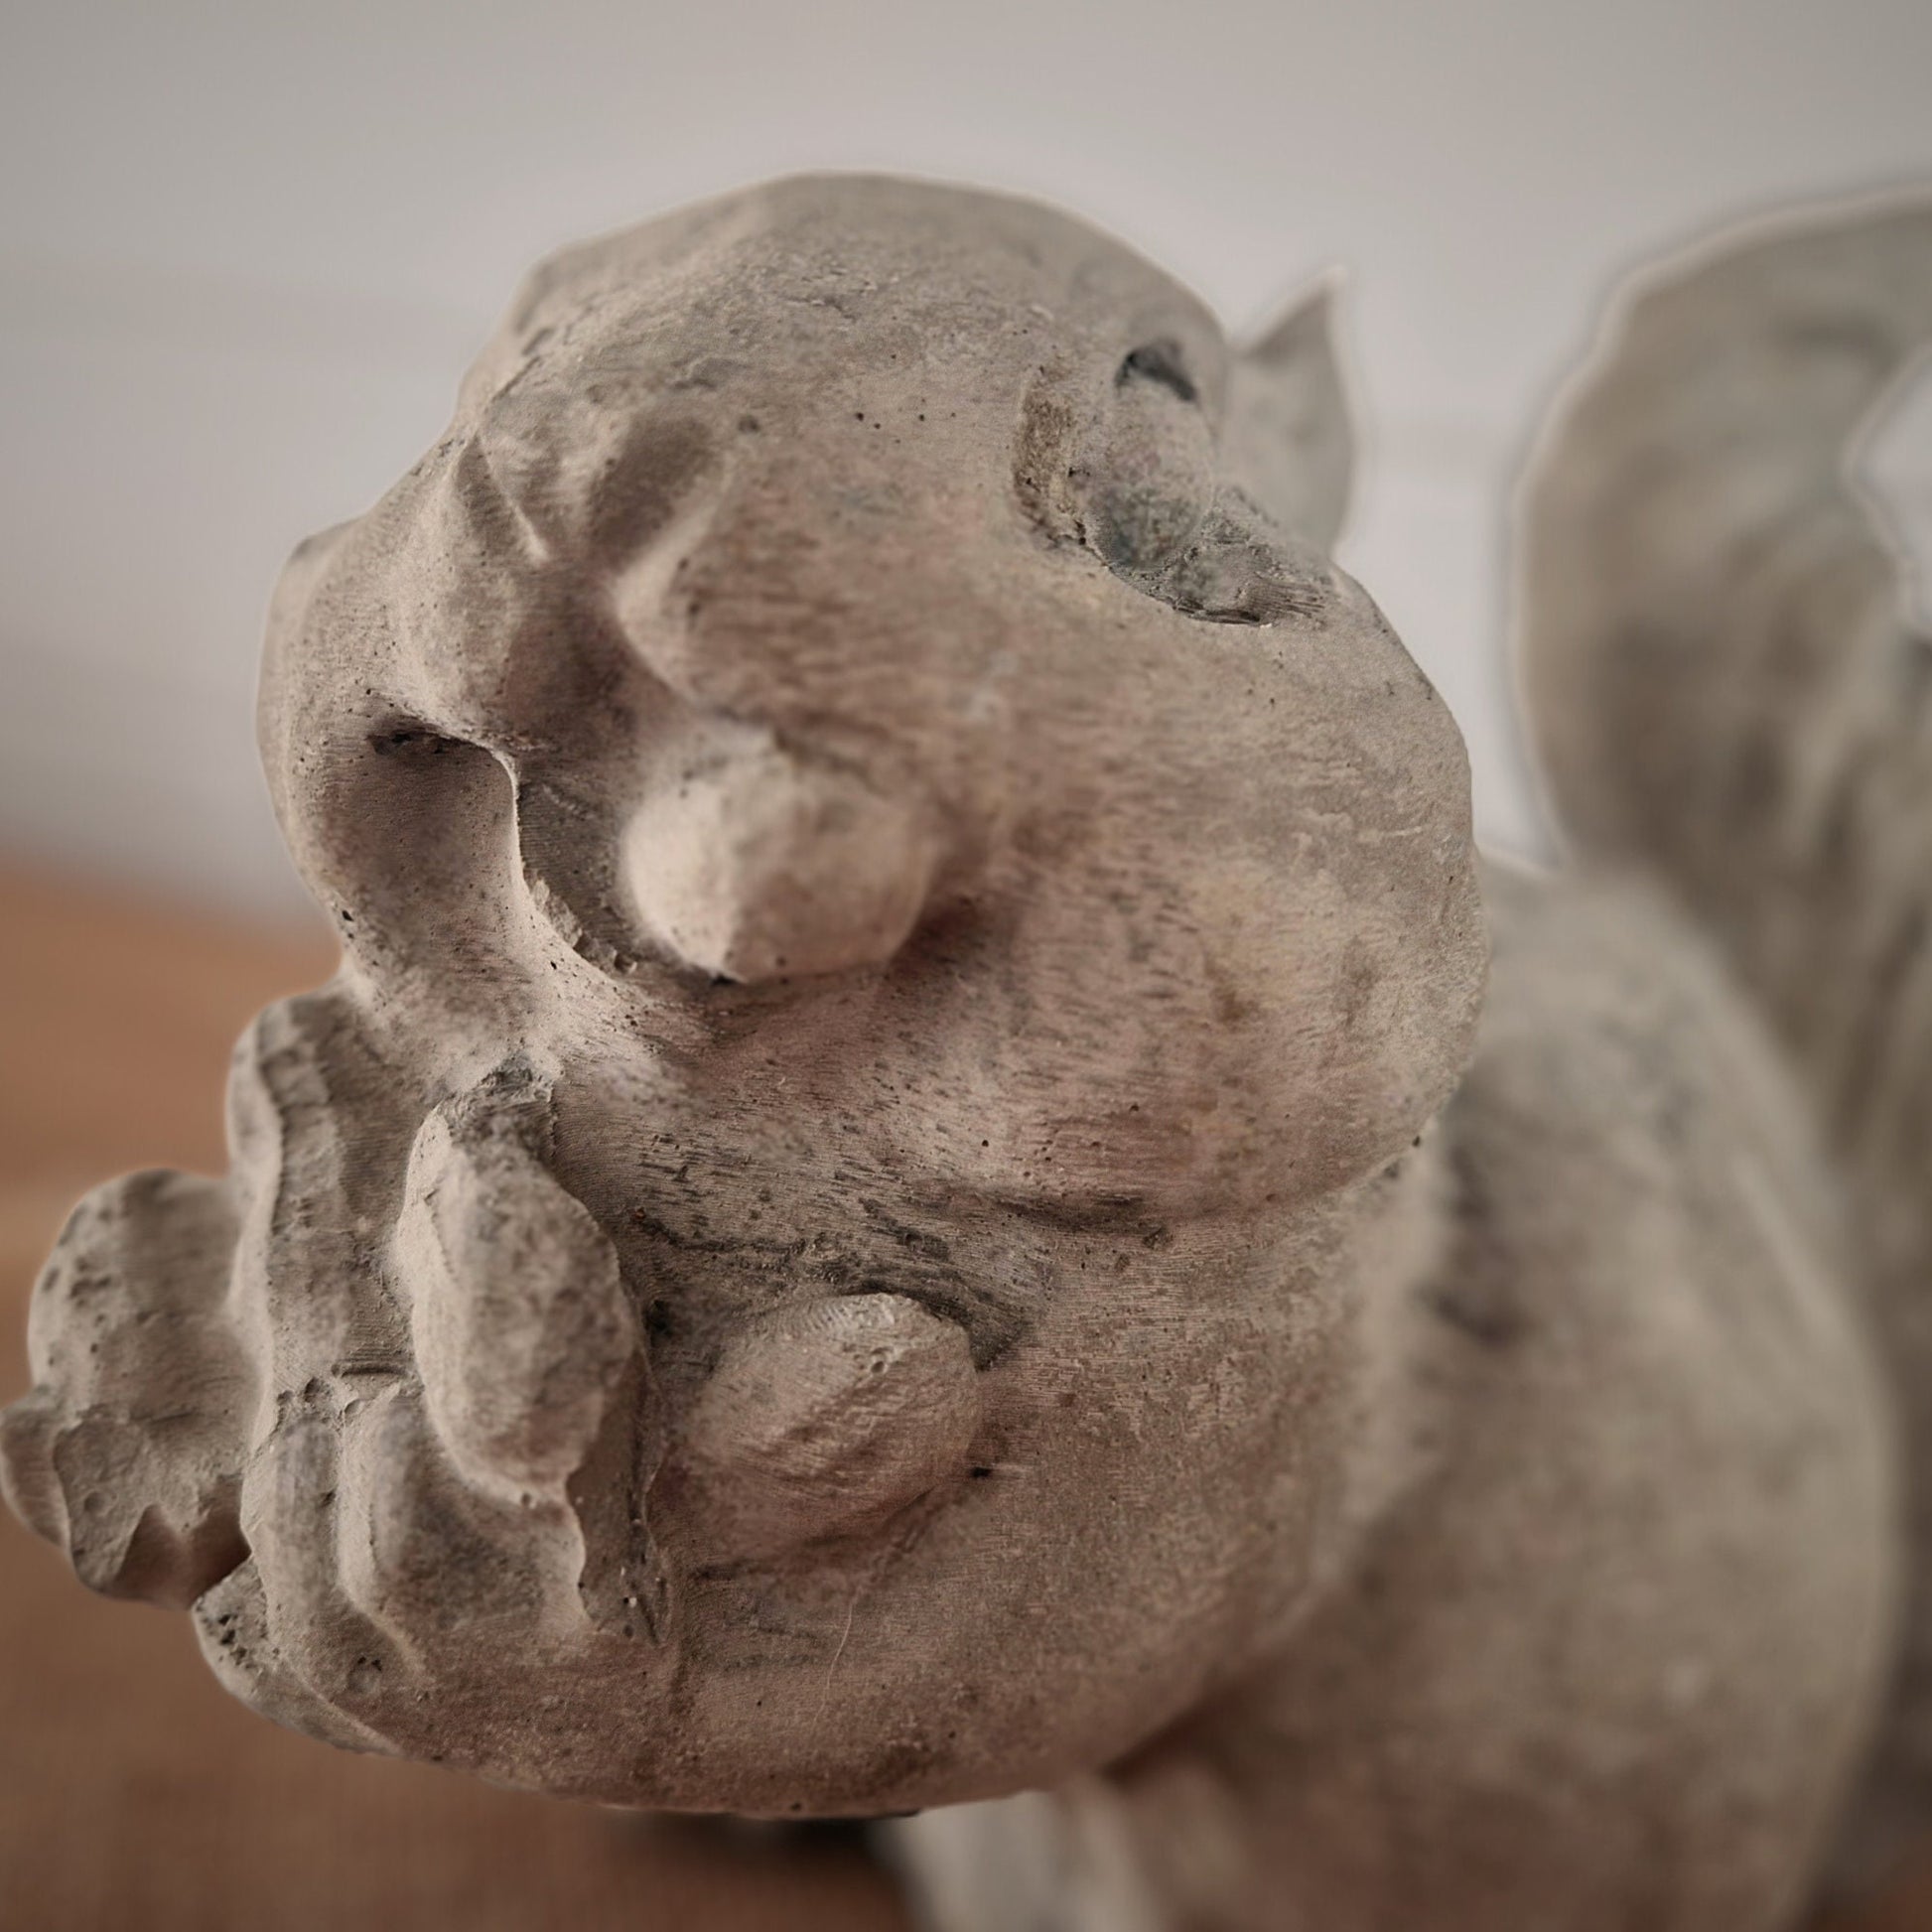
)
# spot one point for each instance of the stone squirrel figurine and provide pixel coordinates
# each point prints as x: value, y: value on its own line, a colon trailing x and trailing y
x: 935, y: 1178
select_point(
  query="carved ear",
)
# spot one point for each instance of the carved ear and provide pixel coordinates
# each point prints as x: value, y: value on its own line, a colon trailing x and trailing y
x: 1289, y: 441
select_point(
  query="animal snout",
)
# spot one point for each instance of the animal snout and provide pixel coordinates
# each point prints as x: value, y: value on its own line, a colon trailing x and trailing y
x: 769, y: 863
x: 824, y: 1419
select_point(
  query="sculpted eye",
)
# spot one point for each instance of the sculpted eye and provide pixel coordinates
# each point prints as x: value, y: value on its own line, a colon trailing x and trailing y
x: 1141, y: 489
x: 1159, y: 363
x: 1150, y: 474
x: 1167, y: 523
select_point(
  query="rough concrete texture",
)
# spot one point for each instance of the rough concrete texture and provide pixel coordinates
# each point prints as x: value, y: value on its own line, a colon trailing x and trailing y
x: 910, y: 1192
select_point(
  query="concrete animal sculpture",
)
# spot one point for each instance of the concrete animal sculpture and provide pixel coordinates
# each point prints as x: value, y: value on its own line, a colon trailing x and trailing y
x: 909, y: 1196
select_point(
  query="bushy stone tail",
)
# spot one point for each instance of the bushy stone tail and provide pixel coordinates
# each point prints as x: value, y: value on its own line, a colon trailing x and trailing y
x: 1728, y: 692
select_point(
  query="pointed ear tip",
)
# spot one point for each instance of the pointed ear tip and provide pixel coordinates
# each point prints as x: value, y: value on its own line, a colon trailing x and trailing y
x: 1327, y: 298
x: 1311, y: 316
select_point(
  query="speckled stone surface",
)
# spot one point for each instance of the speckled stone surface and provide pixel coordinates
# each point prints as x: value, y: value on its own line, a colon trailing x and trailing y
x: 920, y: 1189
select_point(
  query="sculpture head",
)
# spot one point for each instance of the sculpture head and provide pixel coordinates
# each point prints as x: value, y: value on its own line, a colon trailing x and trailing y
x: 896, y: 908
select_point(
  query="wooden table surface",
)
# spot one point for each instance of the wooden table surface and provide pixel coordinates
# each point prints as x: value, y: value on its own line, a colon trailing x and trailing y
x: 133, y: 1794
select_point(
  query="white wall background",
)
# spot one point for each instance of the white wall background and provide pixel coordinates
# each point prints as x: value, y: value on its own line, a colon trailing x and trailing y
x: 245, y: 251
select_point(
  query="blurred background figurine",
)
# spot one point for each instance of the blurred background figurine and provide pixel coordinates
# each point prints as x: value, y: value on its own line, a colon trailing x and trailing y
x: 936, y: 1182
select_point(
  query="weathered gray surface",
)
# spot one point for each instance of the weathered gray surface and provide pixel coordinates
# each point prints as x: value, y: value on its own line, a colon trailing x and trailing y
x: 892, y: 1205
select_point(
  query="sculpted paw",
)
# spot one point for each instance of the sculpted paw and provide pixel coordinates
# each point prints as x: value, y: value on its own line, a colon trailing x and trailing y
x: 416, y: 1480
x: 129, y: 1448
